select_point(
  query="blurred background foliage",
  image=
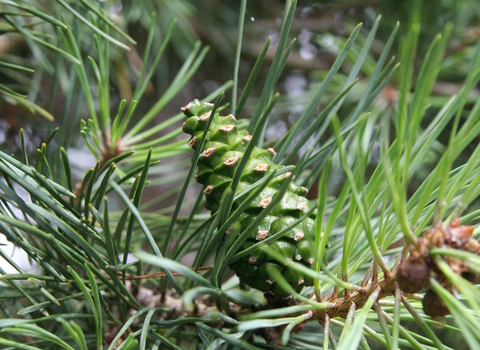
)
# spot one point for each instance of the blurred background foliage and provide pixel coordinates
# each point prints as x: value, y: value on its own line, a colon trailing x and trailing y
x: 321, y: 28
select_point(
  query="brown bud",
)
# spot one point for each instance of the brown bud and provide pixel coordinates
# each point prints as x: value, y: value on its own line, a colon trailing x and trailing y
x: 433, y: 305
x: 436, y: 236
x: 413, y: 275
x: 459, y: 236
x: 473, y: 246
x: 455, y: 222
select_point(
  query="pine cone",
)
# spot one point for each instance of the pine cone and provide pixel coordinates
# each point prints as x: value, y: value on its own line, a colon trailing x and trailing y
x: 223, y: 150
x: 433, y: 305
x: 413, y: 275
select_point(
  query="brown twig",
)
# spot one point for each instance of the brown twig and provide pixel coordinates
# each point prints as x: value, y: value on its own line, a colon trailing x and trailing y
x: 160, y: 274
x: 342, y: 305
x: 341, y: 308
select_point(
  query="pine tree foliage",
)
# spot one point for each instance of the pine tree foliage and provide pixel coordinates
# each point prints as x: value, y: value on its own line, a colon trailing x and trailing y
x: 383, y: 258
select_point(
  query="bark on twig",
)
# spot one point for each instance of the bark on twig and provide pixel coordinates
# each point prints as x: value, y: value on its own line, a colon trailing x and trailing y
x: 359, y: 298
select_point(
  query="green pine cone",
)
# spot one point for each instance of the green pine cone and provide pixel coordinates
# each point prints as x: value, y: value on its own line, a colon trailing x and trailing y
x: 223, y: 149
